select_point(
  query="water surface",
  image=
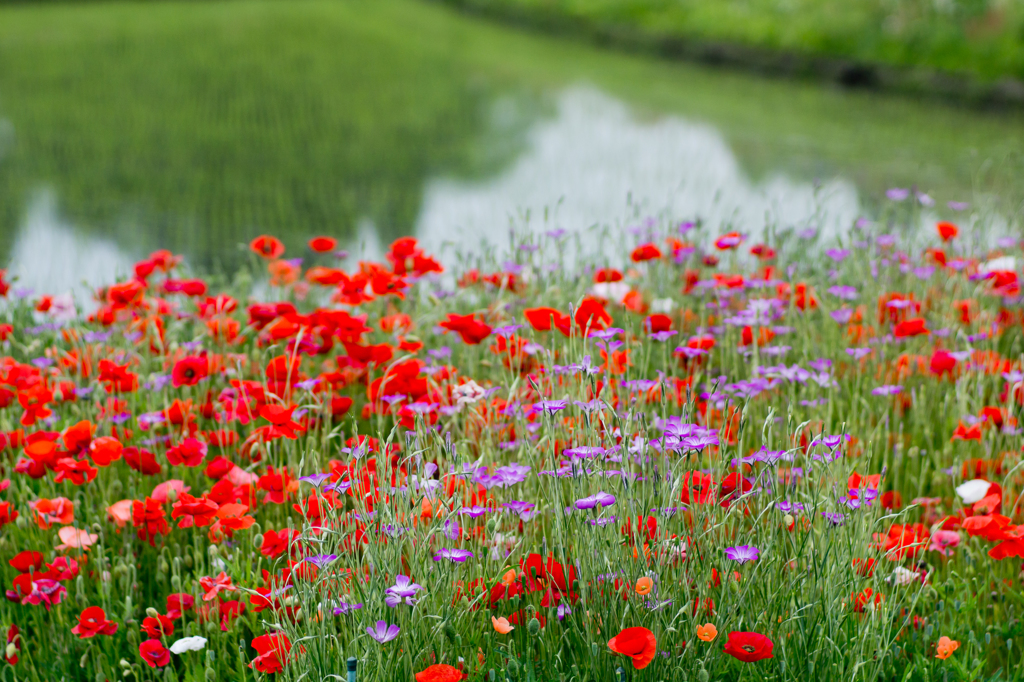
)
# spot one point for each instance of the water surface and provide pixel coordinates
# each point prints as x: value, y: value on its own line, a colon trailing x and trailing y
x: 196, y: 127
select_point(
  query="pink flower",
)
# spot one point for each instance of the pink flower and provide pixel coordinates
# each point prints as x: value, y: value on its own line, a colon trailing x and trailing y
x: 944, y: 541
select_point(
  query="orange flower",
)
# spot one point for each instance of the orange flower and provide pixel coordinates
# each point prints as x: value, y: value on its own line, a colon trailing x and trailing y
x: 282, y: 273
x: 945, y: 648
x: 637, y: 643
x: 502, y: 625
x: 644, y: 586
x: 707, y: 632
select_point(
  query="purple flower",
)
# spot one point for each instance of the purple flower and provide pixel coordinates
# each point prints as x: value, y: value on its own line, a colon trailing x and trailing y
x: 846, y: 293
x: 403, y: 589
x: 454, y: 555
x: 841, y: 316
x: 886, y: 390
x: 321, y: 560
x: 602, y: 498
x: 563, y: 611
x: 743, y: 553
x: 690, y: 353
x: 473, y: 512
x: 452, y: 531
x: 858, y: 353
x: 838, y: 255
x: 316, y: 480
x: 897, y: 194
x: 785, y: 506
x: 383, y: 633
x: 698, y: 442
x: 344, y: 608
x: 958, y: 205
x: 550, y: 406
x: 834, y: 518
x: 663, y: 336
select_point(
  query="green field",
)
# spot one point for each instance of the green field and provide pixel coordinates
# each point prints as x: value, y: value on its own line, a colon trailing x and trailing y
x: 195, y: 126
x: 983, y: 39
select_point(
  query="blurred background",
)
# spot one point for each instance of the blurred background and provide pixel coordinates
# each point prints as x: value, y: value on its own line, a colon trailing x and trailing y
x: 195, y: 126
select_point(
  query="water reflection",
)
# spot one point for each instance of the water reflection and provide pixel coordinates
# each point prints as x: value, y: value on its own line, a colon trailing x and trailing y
x: 587, y: 158
x: 50, y: 255
x: 594, y: 154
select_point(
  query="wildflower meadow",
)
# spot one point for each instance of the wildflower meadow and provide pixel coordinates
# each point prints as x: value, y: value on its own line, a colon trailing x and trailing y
x: 700, y: 454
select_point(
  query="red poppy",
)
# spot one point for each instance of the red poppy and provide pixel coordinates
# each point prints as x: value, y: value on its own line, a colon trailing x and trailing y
x: 471, y: 330
x: 189, y: 452
x: 942, y: 363
x: 440, y: 673
x: 158, y: 626
x: 154, y: 653
x: 141, y: 460
x: 637, y: 643
x: 323, y: 244
x: 912, y: 327
x: 78, y: 472
x: 542, y: 319
x: 149, y: 519
x: 947, y: 231
x: 749, y: 646
x: 273, y: 652
x: 267, y: 246
x: 189, y: 371
x: 645, y: 252
x: 657, y: 323
x: 591, y: 315
x: 104, y: 450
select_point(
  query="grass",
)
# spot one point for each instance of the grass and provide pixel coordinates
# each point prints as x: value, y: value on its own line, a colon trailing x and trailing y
x: 981, y: 38
x: 862, y: 596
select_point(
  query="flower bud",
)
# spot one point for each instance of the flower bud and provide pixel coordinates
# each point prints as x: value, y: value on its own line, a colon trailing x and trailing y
x: 12, y: 649
x: 595, y: 650
x: 257, y: 541
x: 734, y: 587
x: 533, y: 626
x: 702, y: 675
x: 151, y: 612
x: 512, y: 667
x: 124, y: 664
x: 172, y: 495
x: 176, y: 583
x: 211, y: 676
x: 100, y: 677
x: 213, y: 550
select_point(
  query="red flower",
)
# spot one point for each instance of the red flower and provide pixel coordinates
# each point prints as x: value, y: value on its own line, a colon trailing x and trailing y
x: 198, y: 512
x: 645, y: 252
x: 947, y: 231
x: 542, y: 319
x: 471, y: 330
x: 104, y: 450
x: 149, y: 518
x: 141, y: 460
x: 657, y: 323
x: 12, y: 632
x: 26, y: 561
x: 912, y: 327
x: 637, y: 643
x: 275, y: 543
x: 7, y: 514
x: 729, y: 241
x: 440, y: 673
x: 267, y: 246
x: 160, y: 626
x: 78, y: 472
x: 154, y: 653
x: 190, y: 370
x: 323, y: 244
x: 749, y: 646
x: 942, y: 363
x: 273, y: 652
x: 591, y: 316
x: 189, y: 452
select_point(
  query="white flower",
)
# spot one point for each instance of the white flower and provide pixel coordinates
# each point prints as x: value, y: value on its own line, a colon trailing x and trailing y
x: 663, y: 305
x: 188, y: 644
x: 62, y: 307
x: 1003, y: 263
x: 904, y: 576
x: 972, y: 491
x: 469, y: 392
x: 611, y: 291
